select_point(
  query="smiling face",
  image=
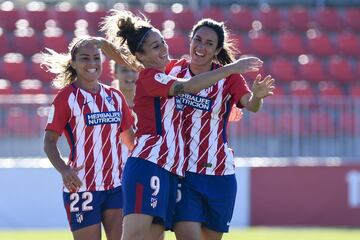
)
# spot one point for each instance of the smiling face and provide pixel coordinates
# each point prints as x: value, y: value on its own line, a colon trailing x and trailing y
x: 87, y: 62
x: 155, y: 51
x: 126, y: 77
x: 203, y: 47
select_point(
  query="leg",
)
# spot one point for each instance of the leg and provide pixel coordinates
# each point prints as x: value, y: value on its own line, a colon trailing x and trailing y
x: 156, y: 232
x: 209, y: 234
x: 136, y: 226
x: 112, y: 221
x: 188, y: 230
x: 92, y: 232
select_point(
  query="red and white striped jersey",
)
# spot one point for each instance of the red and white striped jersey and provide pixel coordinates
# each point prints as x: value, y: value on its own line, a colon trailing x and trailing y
x: 158, y: 127
x: 92, y: 124
x: 205, y: 116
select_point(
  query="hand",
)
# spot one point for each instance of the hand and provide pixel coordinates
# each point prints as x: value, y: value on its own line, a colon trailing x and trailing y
x: 263, y: 88
x: 70, y: 178
x: 235, y: 114
x: 247, y: 64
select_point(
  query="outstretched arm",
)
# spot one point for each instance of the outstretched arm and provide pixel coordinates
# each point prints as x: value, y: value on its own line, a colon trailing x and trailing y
x: 205, y: 80
x: 260, y: 90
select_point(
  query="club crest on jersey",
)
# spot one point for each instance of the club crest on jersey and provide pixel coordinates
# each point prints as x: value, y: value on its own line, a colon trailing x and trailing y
x: 110, y: 100
x: 153, y: 202
x: 194, y: 101
x: 79, y: 217
x: 163, y: 78
x: 103, y: 118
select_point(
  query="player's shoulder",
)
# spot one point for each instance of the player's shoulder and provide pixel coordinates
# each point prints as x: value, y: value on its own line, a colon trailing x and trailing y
x: 176, y: 65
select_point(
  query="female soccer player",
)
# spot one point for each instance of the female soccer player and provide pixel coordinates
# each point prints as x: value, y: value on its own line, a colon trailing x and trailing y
x: 93, y: 117
x: 150, y: 173
x: 208, y: 190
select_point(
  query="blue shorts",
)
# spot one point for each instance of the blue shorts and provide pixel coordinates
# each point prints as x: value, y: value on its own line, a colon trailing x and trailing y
x: 85, y: 208
x: 149, y: 189
x: 207, y: 199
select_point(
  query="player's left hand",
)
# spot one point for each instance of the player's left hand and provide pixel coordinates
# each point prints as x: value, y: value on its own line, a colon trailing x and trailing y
x: 235, y: 114
x: 263, y: 88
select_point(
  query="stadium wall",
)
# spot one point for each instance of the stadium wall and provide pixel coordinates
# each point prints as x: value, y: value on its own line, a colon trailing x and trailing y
x: 273, y: 196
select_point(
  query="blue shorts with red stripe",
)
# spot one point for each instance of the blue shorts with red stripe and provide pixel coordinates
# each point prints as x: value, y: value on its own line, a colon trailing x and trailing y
x: 207, y: 199
x: 149, y: 189
x: 85, y: 208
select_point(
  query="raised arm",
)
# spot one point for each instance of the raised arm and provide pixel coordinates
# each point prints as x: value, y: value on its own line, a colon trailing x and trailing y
x: 260, y: 90
x: 205, y: 80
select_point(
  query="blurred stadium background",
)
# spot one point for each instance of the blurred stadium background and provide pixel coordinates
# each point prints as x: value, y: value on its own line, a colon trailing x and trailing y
x: 299, y: 156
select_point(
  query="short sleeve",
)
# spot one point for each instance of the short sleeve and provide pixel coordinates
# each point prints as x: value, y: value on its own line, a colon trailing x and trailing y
x: 59, y: 114
x: 156, y: 83
x: 238, y: 88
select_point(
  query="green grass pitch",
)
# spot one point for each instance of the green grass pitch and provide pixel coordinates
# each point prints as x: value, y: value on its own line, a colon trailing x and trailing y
x: 260, y: 233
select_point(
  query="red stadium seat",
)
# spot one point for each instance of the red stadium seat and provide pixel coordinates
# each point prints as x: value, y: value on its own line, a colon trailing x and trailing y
x: 328, y: 19
x: 184, y: 19
x: 4, y: 42
x: 283, y: 70
x: 94, y: 17
x: 66, y: 17
x: 27, y: 45
x: 37, y: 14
x: 319, y: 44
x: 215, y: 13
x: 341, y: 70
x: 298, y: 18
x: 18, y: 123
x: 261, y: 44
x: 6, y: 87
x: 250, y: 76
x: 239, y: 18
x: 291, y: 44
x: 156, y: 16
x: 352, y: 18
x: 270, y: 18
x: 8, y: 16
x: 301, y: 89
x: 57, y: 43
x: 321, y: 124
x: 14, y: 67
x: 38, y: 72
x: 312, y: 70
x: 348, y: 43
x: 240, y: 43
x: 177, y: 45
x: 329, y: 90
x: 31, y: 86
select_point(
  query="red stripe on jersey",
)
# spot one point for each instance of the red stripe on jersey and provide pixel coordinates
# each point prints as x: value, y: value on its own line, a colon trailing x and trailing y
x: 95, y: 143
x: 220, y: 161
x: 144, y: 154
x: 206, y: 148
x: 138, y: 197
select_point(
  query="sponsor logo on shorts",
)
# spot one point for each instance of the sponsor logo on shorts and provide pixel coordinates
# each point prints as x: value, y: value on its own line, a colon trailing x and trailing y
x: 194, y: 101
x: 103, y: 118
